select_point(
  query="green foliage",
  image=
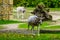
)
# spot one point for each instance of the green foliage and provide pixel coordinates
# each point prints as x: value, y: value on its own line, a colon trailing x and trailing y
x: 33, y: 3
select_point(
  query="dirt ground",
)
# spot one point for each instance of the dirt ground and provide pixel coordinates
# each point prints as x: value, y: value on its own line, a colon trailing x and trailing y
x: 55, y: 15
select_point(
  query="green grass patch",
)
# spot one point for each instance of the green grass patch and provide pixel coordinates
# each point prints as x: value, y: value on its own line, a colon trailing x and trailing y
x: 25, y: 25
x: 16, y: 36
x: 51, y: 27
x: 1, y: 27
x: 54, y: 9
x: 50, y: 36
x: 51, y: 9
x: 45, y: 25
x: 8, y: 22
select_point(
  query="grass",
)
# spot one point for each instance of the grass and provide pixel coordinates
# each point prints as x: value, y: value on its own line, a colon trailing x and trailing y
x: 51, y: 9
x: 16, y: 36
x: 1, y: 27
x: 50, y: 37
x: 54, y: 9
x: 52, y: 27
x: 25, y: 25
x: 45, y: 25
x: 8, y: 22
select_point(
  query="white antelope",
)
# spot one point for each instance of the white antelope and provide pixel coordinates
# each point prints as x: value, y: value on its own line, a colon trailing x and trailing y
x: 34, y: 21
x: 19, y: 11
